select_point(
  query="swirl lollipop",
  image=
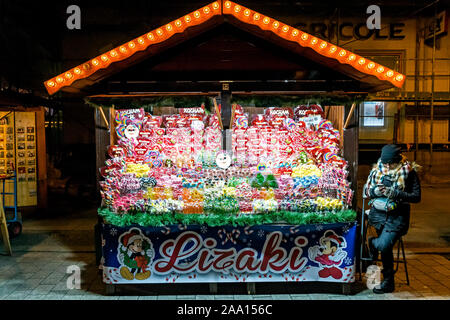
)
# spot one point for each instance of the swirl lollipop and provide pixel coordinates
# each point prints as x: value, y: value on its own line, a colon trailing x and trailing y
x: 120, y: 130
x: 289, y: 123
x: 241, y: 122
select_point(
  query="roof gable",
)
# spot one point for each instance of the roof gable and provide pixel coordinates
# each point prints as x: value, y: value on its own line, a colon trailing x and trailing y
x: 215, y: 13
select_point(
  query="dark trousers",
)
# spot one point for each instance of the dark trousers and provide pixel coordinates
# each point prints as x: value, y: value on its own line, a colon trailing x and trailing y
x: 385, y: 244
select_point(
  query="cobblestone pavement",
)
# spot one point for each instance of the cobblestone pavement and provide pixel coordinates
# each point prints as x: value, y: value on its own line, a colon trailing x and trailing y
x: 42, y: 275
x: 51, y: 243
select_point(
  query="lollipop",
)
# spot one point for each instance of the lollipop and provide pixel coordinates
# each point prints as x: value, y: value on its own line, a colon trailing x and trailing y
x: 289, y: 123
x: 261, y: 167
x: 325, y: 124
x: 241, y: 121
x: 120, y: 130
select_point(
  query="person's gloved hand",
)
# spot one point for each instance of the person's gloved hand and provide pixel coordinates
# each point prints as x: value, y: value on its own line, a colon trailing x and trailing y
x: 378, y: 192
x: 389, y: 192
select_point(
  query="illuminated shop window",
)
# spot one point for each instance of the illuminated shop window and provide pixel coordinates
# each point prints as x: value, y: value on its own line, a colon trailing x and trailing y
x: 373, y: 114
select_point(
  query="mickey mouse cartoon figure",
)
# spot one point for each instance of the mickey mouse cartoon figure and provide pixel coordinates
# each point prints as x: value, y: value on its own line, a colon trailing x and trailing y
x: 135, y: 253
x: 329, y: 254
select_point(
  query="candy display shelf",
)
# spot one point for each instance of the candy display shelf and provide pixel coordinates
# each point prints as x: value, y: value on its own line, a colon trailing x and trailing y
x: 275, y: 206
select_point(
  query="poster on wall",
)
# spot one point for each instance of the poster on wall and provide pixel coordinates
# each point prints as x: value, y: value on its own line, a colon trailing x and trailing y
x: 373, y: 114
x: 201, y: 253
x: 26, y: 158
x: 7, y: 154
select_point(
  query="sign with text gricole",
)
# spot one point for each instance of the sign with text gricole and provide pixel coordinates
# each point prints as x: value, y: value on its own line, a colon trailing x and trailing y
x: 349, y: 30
x: 179, y: 253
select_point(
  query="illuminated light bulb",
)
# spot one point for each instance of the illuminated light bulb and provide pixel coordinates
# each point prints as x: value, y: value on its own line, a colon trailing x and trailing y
x: 187, y: 19
x: 380, y: 69
x: 266, y: 20
x: 304, y: 37
x: 131, y: 44
x: 275, y: 25
x: 294, y: 32
x: 390, y: 73
x: 77, y: 70
x: 104, y: 58
x: 95, y: 62
x: 141, y: 40
x: 314, y: 41
x: 323, y: 45
x: 256, y: 17
x: 237, y: 8
x: 351, y: 57
x: 342, y: 53
x: 150, y: 36
x: 51, y: 84
x: 68, y: 75
x: 399, y: 77
x: 169, y: 27
x: 178, y: 23
x: 123, y: 49
x: 159, y: 32
x: 361, y: 61
x: 246, y: 12
x: 228, y: 4
x: 197, y: 14
x: 216, y: 5
x: 60, y: 79
x: 206, y: 10
x: 371, y: 65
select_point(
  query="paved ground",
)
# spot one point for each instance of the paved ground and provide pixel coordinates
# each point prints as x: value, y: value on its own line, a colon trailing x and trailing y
x: 42, y: 275
x: 50, y: 244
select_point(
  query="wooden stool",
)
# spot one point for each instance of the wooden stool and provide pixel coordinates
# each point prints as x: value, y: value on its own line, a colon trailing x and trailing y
x: 4, y: 229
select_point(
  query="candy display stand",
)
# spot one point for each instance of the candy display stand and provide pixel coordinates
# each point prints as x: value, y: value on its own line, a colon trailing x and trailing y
x: 222, y: 194
x: 179, y: 209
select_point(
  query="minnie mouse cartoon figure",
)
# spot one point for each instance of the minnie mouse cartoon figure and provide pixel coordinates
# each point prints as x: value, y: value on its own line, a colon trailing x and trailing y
x: 329, y: 254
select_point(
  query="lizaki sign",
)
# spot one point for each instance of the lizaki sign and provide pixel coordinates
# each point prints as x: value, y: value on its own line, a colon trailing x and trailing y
x: 180, y: 253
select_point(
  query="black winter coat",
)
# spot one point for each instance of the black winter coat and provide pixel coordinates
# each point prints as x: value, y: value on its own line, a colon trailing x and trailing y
x: 397, y: 220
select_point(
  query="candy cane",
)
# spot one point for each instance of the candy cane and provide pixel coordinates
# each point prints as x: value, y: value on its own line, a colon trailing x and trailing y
x: 219, y: 233
x: 237, y: 232
x: 247, y: 231
x: 293, y: 230
x: 166, y: 231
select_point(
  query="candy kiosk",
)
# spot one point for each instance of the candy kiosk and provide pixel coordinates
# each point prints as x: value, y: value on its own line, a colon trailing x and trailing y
x: 230, y: 192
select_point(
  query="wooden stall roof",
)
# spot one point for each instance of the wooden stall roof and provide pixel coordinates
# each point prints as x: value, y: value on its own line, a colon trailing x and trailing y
x: 373, y: 75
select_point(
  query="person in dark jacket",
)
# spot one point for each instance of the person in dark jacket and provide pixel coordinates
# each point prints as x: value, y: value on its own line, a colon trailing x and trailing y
x: 392, y: 184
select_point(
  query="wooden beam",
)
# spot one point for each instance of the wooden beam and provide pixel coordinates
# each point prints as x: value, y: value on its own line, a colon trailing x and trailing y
x: 349, y: 116
x: 41, y: 160
x: 103, y: 116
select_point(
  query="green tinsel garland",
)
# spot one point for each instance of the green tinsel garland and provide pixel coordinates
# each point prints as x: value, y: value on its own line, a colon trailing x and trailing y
x: 213, y: 220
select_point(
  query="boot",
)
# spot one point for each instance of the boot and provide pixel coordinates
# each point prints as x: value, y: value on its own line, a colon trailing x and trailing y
x: 373, y: 252
x: 388, y: 283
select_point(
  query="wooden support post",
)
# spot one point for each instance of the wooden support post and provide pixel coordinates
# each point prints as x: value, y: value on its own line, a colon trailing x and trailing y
x: 349, y: 116
x: 225, y: 98
x: 42, y: 187
x: 102, y: 140
x: 351, y: 147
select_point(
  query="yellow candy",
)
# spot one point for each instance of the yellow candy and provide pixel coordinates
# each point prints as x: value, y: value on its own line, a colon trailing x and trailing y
x: 140, y: 170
